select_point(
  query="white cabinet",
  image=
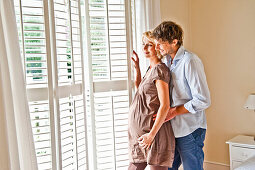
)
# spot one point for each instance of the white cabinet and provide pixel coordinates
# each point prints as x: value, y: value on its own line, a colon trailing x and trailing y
x: 241, y: 148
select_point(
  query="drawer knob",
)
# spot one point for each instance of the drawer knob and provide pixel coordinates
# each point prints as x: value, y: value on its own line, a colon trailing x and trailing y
x: 244, y: 154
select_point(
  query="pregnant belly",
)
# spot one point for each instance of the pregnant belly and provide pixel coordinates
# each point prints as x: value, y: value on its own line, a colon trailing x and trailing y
x: 140, y: 124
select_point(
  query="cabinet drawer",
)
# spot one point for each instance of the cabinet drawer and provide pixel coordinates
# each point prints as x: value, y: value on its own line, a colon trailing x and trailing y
x: 241, y: 154
x: 235, y: 164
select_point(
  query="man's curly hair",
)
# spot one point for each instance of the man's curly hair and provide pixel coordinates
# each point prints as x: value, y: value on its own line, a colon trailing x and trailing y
x: 168, y: 31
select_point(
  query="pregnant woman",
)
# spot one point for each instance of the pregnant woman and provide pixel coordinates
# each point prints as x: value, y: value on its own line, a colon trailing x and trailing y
x: 150, y: 142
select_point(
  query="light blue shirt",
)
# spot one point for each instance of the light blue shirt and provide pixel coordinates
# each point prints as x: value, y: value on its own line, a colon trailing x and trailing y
x: 189, y: 87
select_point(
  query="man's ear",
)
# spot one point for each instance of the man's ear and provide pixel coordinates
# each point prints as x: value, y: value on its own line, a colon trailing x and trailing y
x: 174, y: 42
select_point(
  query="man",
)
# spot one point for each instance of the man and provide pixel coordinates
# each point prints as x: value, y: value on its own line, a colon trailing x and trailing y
x: 189, y: 96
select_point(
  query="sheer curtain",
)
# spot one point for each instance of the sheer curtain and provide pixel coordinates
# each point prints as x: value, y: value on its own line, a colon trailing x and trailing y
x: 147, y: 18
x: 16, y: 128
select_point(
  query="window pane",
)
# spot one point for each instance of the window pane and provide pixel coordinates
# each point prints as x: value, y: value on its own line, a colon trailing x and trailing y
x: 40, y: 121
x: 68, y: 41
x: 32, y: 42
x: 111, y: 114
x: 73, y: 139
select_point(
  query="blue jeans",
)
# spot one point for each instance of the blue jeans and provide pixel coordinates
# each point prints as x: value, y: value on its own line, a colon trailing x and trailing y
x: 189, y: 151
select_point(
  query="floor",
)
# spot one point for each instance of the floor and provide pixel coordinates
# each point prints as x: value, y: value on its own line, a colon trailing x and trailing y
x: 207, y: 166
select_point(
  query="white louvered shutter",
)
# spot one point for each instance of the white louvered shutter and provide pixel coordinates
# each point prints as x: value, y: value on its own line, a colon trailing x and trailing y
x: 52, y: 50
x: 30, y: 16
x: 69, y: 71
x: 50, y: 40
x: 108, y: 50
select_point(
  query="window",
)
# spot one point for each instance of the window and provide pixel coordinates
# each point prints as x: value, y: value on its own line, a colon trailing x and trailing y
x: 77, y: 71
x: 108, y: 48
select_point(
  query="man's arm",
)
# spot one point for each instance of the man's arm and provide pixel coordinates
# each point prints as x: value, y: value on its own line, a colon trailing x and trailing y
x: 196, y: 78
x: 174, y: 111
x: 195, y: 75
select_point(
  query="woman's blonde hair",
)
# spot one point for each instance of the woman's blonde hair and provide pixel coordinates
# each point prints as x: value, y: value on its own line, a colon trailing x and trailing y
x: 148, y: 35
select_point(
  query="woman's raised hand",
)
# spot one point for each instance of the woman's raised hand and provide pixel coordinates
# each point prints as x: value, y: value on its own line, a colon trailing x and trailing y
x: 135, y: 60
x: 137, y: 69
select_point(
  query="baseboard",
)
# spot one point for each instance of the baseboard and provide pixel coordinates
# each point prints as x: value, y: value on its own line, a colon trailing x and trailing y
x: 209, y: 166
x: 215, y: 165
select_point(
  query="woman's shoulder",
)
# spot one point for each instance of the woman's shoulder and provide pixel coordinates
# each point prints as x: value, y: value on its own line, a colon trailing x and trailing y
x: 161, y: 72
x: 162, y: 68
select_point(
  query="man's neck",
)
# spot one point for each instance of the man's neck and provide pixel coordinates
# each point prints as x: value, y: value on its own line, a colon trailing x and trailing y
x: 173, y: 54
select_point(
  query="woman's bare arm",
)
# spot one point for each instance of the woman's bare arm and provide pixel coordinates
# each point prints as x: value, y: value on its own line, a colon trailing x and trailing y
x: 163, y: 94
